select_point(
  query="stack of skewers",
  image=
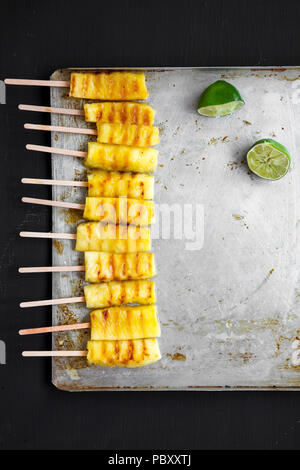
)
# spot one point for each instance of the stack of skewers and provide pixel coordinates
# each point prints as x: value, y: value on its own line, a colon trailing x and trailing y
x: 119, y: 210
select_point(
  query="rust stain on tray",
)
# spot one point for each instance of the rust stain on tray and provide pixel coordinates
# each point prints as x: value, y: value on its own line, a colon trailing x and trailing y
x: 68, y: 316
x: 73, y: 216
x: 58, y: 246
x: 177, y: 357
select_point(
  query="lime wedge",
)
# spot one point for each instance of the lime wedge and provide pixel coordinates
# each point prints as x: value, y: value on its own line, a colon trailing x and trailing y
x: 269, y: 159
x: 220, y: 99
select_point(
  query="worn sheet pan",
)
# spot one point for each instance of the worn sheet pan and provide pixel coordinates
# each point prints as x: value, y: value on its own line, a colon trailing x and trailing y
x: 229, y: 310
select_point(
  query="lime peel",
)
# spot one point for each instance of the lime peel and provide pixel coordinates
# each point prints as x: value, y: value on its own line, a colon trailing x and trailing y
x: 220, y: 99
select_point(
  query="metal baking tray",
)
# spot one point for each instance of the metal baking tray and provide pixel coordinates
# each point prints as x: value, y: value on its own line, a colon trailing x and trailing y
x: 229, y: 307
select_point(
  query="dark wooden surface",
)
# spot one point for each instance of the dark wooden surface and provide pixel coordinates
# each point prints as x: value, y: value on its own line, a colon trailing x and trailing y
x: 37, y: 37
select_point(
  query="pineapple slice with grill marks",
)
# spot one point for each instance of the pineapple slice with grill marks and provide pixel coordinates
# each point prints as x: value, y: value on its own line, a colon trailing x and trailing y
x: 127, y: 134
x: 95, y: 236
x: 119, y: 210
x: 108, y: 86
x: 101, y: 266
x: 140, y: 114
x: 121, y: 158
x: 119, y: 323
x: 130, y: 353
x: 112, y: 293
x: 117, y: 184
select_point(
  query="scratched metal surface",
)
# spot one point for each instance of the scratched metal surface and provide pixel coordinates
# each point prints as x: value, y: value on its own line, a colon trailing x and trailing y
x: 229, y: 312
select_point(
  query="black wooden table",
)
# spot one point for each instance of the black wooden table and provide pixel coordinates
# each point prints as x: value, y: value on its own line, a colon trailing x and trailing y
x: 37, y: 37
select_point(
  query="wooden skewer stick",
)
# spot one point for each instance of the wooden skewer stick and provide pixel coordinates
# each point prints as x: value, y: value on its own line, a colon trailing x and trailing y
x: 83, y: 184
x: 51, y: 109
x: 54, y: 353
x: 60, y: 236
x: 41, y: 303
x: 22, y: 81
x: 53, y: 329
x: 69, y: 130
x: 42, y: 148
x: 46, y: 202
x: 51, y: 269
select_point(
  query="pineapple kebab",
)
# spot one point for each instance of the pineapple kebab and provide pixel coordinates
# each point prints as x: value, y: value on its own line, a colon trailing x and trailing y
x: 101, y: 266
x: 114, y: 323
x: 109, y: 157
x: 95, y: 236
x: 126, y: 353
x: 107, y: 294
x: 107, y: 133
x: 123, y: 86
x: 108, y: 184
x: 140, y: 114
x: 104, y: 209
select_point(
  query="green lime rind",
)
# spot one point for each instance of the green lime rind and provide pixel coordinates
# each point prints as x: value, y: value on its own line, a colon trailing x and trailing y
x: 220, y: 99
x: 269, y: 159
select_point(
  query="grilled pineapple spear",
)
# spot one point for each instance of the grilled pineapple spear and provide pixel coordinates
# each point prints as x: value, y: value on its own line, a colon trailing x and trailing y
x: 127, y: 134
x: 121, y: 158
x: 108, y: 86
x: 140, y: 114
x: 119, y: 210
x: 112, y: 293
x: 101, y: 266
x: 119, y: 323
x: 117, y: 184
x: 94, y: 236
x: 130, y: 353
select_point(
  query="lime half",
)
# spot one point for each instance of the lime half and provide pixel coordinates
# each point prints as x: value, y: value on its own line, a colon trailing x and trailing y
x: 269, y: 159
x: 220, y: 99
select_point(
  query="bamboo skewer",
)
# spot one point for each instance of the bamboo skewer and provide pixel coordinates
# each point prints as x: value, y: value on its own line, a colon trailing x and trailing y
x: 59, y: 151
x: 54, y: 329
x: 60, y: 236
x: 68, y: 130
x: 42, y: 303
x: 83, y: 184
x: 46, y: 202
x: 29, y: 82
x: 54, y: 353
x: 51, y: 109
x: 51, y: 269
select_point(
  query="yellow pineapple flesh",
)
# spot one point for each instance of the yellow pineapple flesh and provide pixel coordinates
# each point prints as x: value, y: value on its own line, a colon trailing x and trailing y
x: 119, y: 210
x: 140, y: 114
x: 127, y: 134
x: 95, y: 236
x: 121, y: 158
x: 116, y: 184
x: 101, y: 266
x: 127, y: 353
x: 108, y: 86
x: 118, y: 323
x: 112, y: 293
